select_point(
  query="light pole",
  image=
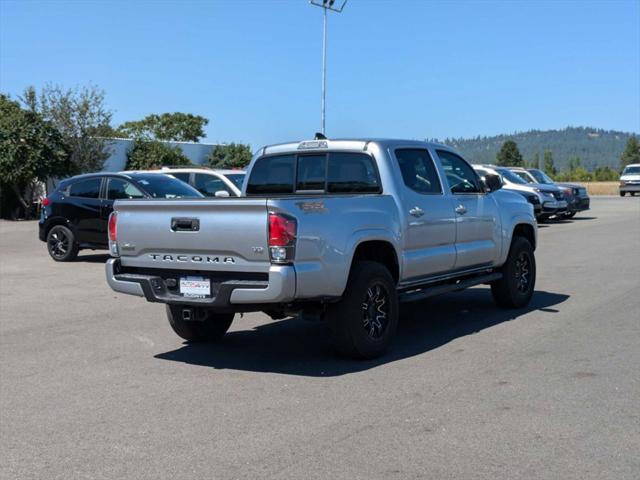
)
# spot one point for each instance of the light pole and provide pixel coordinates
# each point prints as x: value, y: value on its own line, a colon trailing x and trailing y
x: 325, y: 5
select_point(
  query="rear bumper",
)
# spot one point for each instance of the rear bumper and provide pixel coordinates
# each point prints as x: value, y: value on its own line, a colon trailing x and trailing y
x: 279, y: 288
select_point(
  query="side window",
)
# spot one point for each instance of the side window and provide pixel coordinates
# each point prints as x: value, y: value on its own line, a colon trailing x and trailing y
x: 311, y: 172
x: 184, y: 176
x: 461, y: 177
x: 86, y: 188
x: 352, y: 173
x: 272, y: 175
x: 121, y: 189
x: 208, y: 185
x: 418, y: 171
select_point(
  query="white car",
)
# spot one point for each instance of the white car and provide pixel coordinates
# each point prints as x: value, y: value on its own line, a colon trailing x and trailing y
x: 630, y: 180
x: 209, y: 182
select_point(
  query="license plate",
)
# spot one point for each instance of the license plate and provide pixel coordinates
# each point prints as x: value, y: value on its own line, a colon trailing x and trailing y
x: 195, y: 287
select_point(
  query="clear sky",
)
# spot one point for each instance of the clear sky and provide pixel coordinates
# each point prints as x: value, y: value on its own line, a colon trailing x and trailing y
x: 412, y: 69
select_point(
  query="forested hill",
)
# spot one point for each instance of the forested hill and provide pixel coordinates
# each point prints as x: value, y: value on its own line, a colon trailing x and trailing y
x: 595, y: 147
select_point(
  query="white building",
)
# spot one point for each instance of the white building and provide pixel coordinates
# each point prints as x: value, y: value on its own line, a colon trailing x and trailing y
x: 117, y: 161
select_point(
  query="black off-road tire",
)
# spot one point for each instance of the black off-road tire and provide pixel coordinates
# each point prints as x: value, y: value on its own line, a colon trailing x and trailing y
x: 207, y: 327
x: 363, y: 323
x: 61, y: 244
x: 515, y: 288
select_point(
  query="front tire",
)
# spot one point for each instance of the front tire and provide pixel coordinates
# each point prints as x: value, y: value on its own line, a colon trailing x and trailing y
x: 622, y: 194
x: 363, y: 323
x: 61, y: 244
x: 206, y: 326
x: 515, y: 288
x: 570, y: 214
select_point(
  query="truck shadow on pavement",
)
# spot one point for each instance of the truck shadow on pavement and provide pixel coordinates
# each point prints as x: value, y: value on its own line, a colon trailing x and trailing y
x: 296, y: 347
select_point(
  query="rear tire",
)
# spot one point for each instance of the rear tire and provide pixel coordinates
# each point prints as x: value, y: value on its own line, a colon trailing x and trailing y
x: 61, y: 244
x: 363, y: 323
x: 515, y: 288
x: 207, y: 326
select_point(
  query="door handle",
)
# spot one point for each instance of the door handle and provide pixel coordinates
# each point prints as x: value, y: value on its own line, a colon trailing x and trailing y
x: 416, y: 212
x: 461, y: 210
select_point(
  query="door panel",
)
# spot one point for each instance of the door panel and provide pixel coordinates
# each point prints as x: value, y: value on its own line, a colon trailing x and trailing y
x: 477, y: 230
x: 429, y: 244
x: 477, y: 221
x: 83, y: 210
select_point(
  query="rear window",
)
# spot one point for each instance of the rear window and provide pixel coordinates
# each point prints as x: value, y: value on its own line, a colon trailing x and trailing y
x: 86, y: 188
x: 338, y: 172
x: 272, y: 175
x: 159, y: 185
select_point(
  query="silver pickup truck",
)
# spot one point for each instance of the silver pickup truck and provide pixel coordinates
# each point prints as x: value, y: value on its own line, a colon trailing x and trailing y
x: 341, y: 230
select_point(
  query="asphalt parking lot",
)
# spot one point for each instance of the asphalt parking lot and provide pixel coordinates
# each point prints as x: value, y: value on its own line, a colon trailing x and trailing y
x: 96, y: 385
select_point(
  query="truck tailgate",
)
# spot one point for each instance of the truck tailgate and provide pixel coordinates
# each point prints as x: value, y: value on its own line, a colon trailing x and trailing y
x: 213, y: 235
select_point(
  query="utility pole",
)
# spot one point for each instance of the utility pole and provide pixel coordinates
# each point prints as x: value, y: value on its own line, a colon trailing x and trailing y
x: 325, y: 5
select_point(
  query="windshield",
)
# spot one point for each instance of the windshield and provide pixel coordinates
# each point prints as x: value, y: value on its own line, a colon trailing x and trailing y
x: 541, y: 177
x: 631, y: 170
x: 236, y: 179
x: 164, y: 186
x: 524, y: 176
x: 509, y: 176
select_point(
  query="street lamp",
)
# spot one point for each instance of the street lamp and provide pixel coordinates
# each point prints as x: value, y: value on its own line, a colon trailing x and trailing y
x: 326, y: 5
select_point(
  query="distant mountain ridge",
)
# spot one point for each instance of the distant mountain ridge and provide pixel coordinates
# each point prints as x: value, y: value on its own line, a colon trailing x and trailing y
x: 595, y: 147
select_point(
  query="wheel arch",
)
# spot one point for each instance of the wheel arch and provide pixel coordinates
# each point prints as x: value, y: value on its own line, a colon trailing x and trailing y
x: 381, y: 251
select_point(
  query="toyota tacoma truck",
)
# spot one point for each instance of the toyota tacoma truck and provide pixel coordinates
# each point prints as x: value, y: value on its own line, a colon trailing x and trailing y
x: 339, y: 230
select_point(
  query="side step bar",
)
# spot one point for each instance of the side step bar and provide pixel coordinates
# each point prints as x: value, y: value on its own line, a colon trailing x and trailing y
x: 421, y: 293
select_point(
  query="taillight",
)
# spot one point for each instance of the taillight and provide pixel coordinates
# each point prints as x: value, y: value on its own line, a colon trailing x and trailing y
x: 282, y: 237
x: 46, y: 202
x: 282, y: 230
x: 113, y: 227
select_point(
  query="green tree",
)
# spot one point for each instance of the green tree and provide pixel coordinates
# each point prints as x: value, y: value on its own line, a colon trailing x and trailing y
x: 152, y: 154
x: 535, y: 162
x: 178, y: 127
x: 31, y: 150
x: 509, y: 155
x: 605, y: 174
x: 549, y: 167
x: 631, y: 153
x: 574, y: 163
x: 233, y: 155
x: 80, y: 115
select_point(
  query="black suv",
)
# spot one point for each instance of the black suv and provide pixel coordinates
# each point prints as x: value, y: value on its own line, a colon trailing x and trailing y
x: 76, y: 214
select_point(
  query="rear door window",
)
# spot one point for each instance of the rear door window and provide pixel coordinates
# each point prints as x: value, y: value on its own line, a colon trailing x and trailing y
x: 118, y: 189
x: 272, y: 175
x: 184, y: 176
x: 89, y: 188
x: 208, y: 185
x: 418, y: 171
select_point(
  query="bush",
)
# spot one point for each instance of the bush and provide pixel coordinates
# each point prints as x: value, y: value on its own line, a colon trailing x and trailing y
x: 152, y: 154
x: 233, y: 155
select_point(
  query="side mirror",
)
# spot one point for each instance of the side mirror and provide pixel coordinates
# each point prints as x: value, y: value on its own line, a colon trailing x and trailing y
x: 221, y: 193
x: 492, y: 182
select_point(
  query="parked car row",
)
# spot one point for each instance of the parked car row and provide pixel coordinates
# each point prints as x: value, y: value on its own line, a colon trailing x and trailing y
x: 549, y: 199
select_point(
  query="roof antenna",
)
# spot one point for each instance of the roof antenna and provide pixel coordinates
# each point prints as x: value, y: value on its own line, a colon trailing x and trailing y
x: 320, y: 136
